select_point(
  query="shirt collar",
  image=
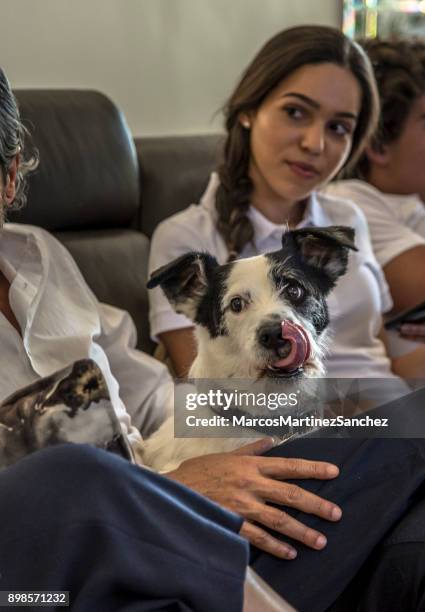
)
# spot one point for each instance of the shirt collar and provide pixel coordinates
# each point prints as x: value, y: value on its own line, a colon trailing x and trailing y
x: 12, y: 246
x: 264, y: 229
x: 208, y: 198
x: 47, y: 284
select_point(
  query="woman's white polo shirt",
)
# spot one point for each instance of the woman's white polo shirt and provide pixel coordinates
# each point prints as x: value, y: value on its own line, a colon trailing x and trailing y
x: 355, y: 305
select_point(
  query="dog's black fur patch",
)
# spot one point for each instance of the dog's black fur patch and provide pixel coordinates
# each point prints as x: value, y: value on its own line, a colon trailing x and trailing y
x: 313, y: 257
x: 209, y: 313
x: 313, y: 306
x: 320, y: 253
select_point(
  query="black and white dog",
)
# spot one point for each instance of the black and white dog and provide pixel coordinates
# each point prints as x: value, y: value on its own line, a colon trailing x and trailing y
x: 263, y: 316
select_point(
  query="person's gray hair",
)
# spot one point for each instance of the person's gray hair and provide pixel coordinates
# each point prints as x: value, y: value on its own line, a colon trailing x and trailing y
x: 12, y: 140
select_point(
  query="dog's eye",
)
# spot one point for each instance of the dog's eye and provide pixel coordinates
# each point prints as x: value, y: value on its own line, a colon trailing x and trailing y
x: 295, y: 293
x: 236, y: 304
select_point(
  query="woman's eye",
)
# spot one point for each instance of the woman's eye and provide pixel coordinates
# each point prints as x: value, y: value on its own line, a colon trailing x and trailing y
x: 236, y: 304
x: 293, y: 112
x: 341, y: 129
x: 295, y: 293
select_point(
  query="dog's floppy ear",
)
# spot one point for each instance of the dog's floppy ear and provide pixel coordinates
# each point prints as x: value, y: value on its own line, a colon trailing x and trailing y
x: 185, y: 281
x: 323, y: 248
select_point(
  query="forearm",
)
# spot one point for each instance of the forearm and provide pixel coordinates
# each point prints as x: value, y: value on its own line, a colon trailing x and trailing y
x: 410, y: 365
x: 407, y: 289
x: 180, y: 345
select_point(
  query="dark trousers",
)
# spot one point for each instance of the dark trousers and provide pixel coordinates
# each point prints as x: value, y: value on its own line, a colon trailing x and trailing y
x: 392, y: 579
x: 374, y: 555
x: 121, y: 538
x: 381, y: 486
x: 117, y: 537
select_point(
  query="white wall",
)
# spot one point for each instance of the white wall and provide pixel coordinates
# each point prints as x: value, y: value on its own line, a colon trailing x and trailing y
x: 169, y: 64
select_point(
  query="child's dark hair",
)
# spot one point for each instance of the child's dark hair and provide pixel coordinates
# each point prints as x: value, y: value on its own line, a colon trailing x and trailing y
x: 399, y: 67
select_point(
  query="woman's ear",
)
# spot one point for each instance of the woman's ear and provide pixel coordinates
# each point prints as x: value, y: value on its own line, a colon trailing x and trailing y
x: 10, y: 187
x: 378, y: 155
x: 245, y: 120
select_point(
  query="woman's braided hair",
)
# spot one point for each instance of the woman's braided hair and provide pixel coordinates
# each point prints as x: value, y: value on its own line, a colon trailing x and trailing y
x: 12, y: 137
x: 399, y: 67
x: 281, y: 55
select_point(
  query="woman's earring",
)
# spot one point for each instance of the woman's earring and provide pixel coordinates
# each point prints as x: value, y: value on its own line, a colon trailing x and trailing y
x: 246, y: 124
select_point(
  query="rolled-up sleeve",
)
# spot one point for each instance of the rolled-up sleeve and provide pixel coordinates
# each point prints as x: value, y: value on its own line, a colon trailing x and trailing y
x: 145, y: 385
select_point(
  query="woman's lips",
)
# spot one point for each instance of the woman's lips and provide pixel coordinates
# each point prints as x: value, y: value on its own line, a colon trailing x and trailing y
x: 303, y: 170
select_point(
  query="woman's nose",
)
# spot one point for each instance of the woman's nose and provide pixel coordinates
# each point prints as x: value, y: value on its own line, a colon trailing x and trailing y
x: 313, y: 139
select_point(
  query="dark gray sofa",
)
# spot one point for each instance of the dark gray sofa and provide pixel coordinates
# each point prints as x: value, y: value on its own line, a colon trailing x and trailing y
x: 103, y: 193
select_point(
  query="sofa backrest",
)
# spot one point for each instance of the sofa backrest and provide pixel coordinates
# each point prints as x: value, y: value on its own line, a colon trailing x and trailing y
x: 86, y: 191
x: 103, y: 198
x: 174, y: 172
x: 88, y: 175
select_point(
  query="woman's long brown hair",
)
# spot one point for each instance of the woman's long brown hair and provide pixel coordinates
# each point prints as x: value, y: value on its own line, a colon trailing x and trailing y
x: 281, y: 56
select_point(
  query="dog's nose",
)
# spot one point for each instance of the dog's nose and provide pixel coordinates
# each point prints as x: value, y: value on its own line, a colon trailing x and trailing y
x: 270, y: 337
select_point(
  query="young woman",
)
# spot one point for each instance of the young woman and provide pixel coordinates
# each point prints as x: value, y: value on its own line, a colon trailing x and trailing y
x: 302, y: 111
x: 388, y: 181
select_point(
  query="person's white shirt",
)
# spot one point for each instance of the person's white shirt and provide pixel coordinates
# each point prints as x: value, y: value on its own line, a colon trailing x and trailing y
x: 355, y: 305
x: 62, y: 321
x: 396, y: 222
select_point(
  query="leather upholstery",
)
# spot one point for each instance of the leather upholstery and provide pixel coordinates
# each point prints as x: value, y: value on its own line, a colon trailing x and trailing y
x: 88, y: 175
x: 100, y: 196
x: 174, y: 172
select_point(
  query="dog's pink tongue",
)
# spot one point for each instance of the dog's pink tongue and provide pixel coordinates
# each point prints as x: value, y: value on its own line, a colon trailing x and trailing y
x: 300, y: 346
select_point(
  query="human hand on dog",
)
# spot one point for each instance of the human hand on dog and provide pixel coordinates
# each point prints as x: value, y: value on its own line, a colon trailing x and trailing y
x: 243, y: 482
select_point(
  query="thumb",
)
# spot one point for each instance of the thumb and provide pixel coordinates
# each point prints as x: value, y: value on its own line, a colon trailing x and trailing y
x: 256, y: 448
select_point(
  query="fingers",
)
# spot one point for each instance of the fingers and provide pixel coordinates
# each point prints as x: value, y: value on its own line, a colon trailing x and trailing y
x: 263, y: 540
x: 280, y: 521
x: 288, y: 494
x: 282, y: 467
x: 258, y: 447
